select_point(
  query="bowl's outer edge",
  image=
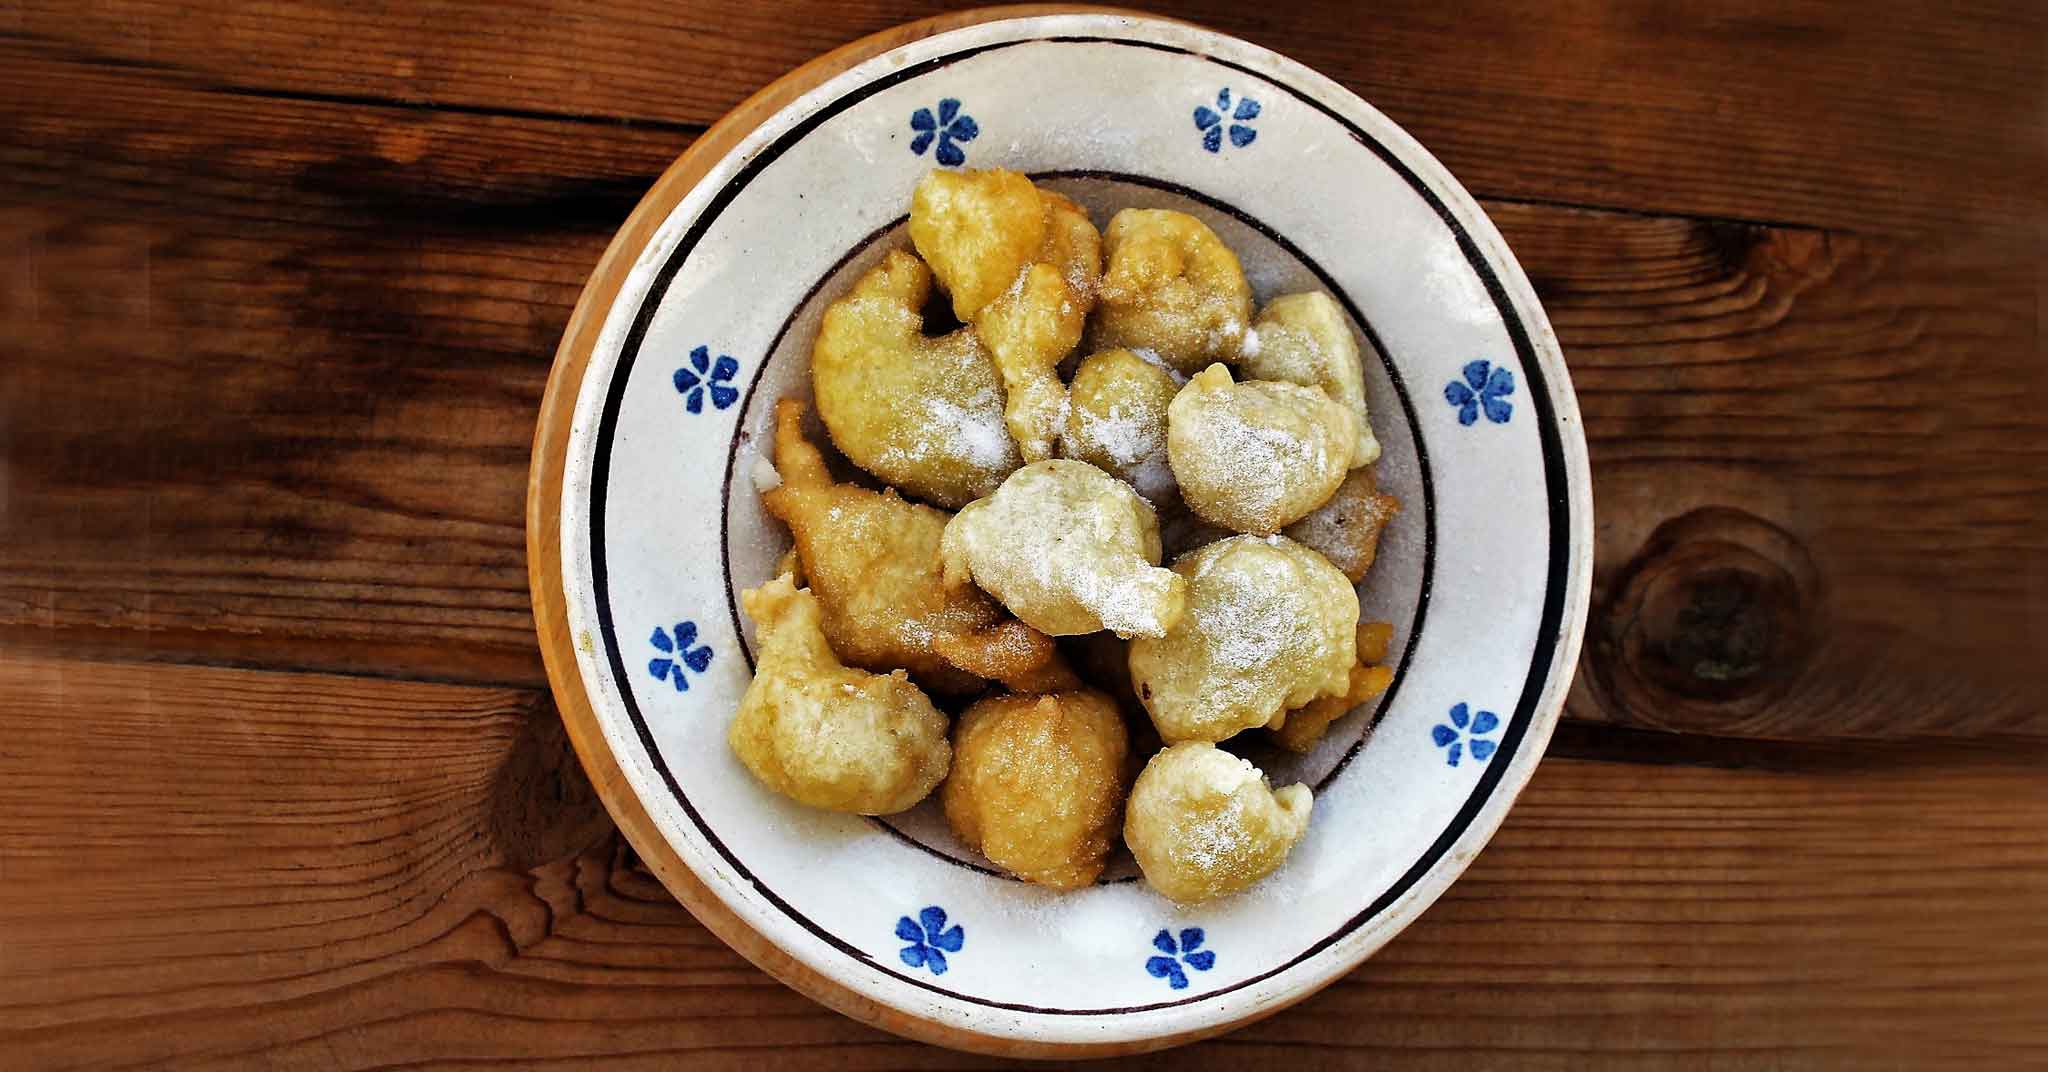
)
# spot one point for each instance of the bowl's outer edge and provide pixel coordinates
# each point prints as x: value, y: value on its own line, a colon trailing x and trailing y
x: 544, y: 561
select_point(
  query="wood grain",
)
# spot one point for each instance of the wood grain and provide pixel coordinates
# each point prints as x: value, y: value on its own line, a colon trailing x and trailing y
x: 1897, y: 117
x: 273, y: 366
x: 227, y: 868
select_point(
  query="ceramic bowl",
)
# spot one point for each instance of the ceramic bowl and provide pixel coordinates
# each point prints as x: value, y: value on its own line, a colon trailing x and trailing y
x: 703, y: 316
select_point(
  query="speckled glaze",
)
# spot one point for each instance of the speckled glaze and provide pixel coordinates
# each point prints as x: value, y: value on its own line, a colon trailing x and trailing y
x: 1484, y: 573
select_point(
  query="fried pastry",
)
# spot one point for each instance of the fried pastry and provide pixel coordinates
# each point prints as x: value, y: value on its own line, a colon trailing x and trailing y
x: 1116, y: 420
x: 1037, y: 784
x: 824, y: 734
x: 1204, y: 824
x: 1068, y: 549
x: 923, y: 414
x: 872, y: 561
x: 1171, y: 287
x: 1303, y: 338
x: 1256, y: 456
x: 1347, y: 528
x: 1270, y: 625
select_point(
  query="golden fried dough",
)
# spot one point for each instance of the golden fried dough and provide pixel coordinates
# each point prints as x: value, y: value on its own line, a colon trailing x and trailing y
x: 1116, y: 420
x: 978, y: 230
x: 1172, y: 287
x: 1204, y: 823
x: 1037, y: 784
x: 1067, y: 548
x: 872, y: 560
x: 1270, y: 625
x: 1347, y: 528
x: 824, y: 734
x: 924, y: 414
x: 1256, y: 456
x: 1306, y: 725
x: 1303, y: 338
x: 969, y: 227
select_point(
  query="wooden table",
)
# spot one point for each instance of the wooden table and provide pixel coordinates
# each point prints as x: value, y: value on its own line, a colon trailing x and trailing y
x: 281, y: 784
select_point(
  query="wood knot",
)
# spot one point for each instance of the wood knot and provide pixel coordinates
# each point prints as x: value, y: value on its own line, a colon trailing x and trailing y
x: 1712, y: 620
x: 543, y: 808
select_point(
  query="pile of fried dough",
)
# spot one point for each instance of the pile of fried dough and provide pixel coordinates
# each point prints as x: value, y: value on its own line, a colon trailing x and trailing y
x: 999, y: 552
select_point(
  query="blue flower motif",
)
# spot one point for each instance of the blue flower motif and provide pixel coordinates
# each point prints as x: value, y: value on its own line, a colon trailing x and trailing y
x: 1465, y: 729
x: 1484, y: 388
x: 692, y: 379
x: 677, y: 655
x: 1186, y: 952
x: 1210, y: 122
x: 930, y: 939
x: 950, y: 127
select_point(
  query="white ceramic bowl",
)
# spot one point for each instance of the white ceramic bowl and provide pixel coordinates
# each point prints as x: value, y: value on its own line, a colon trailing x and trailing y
x: 1484, y: 573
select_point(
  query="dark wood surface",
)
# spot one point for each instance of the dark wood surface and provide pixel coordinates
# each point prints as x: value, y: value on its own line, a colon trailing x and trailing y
x: 281, y: 785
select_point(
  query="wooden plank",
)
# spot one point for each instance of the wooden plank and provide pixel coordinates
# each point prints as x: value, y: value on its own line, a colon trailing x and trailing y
x: 272, y: 368
x: 1903, y: 117
x: 227, y: 868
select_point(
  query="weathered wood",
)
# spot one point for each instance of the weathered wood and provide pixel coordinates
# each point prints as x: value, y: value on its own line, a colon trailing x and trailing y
x: 227, y: 868
x: 272, y: 369
x: 1903, y: 117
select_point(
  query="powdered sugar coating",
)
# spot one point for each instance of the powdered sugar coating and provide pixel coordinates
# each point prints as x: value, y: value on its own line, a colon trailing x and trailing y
x: 1204, y: 824
x: 1303, y: 338
x: 1256, y: 456
x: 924, y: 414
x: 1116, y: 420
x: 1068, y: 549
x: 1270, y: 625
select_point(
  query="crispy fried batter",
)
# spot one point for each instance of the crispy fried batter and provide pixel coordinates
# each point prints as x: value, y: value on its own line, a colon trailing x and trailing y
x: 1028, y: 308
x: 1069, y: 549
x: 872, y: 559
x: 1347, y: 528
x: 1270, y: 625
x: 1304, y: 339
x: 1037, y: 784
x: 1306, y: 725
x: 1116, y: 420
x: 1172, y: 287
x: 1259, y: 455
x: 1205, y: 824
x: 826, y: 735
x: 924, y: 414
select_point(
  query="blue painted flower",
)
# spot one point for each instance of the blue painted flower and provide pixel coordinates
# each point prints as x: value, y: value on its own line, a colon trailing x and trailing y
x: 930, y: 939
x: 1210, y: 121
x: 951, y: 126
x: 677, y: 655
x: 1465, y: 729
x: 1189, y: 951
x: 700, y: 373
x: 1484, y: 388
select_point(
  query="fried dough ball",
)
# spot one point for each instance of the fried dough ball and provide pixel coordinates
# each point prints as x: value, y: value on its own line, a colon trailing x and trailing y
x: 1270, y: 625
x: 978, y: 230
x: 1171, y: 287
x: 1347, y: 528
x: 1037, y: 784
x: 1069, y: 549
x: 824, y: 734
x: 1302, y: 338
x: 1204, y: 823
x: 1116, y: 420
x: 923, y: 414
x: 1306, y: 725
x: 967, y: 225
x: 872, y: 561
x: 1256, y: 456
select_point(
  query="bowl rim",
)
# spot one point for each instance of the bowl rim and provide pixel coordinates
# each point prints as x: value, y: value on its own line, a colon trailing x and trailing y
x: 545, y: 566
